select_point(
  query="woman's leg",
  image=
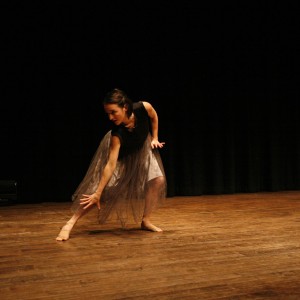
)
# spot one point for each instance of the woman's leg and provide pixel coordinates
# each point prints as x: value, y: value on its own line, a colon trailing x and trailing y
x: 154, y: 189
x: 66, y: 229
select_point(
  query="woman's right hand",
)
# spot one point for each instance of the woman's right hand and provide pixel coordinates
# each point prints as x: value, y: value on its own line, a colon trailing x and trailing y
x: 89, y: 200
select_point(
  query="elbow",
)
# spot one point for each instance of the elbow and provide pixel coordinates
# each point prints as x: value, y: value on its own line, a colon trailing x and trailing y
x: 112, y: 165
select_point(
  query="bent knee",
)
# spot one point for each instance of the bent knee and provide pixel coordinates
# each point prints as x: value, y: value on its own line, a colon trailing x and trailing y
x: 158, y: 181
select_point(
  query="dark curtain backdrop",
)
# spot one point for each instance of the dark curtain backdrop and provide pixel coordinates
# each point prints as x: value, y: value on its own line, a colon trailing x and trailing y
x: 224, y: 81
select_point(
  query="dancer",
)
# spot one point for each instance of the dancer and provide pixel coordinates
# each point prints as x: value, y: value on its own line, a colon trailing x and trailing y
x: 125, y: 179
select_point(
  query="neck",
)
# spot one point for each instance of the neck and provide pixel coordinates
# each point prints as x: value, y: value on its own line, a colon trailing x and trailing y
x: 130, y: 123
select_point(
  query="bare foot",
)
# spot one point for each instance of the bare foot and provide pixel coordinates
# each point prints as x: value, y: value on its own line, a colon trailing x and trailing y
x: 146, y: 225
x: 64, y: 233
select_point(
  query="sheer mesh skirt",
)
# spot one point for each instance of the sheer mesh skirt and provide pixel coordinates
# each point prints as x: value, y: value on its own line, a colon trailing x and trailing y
x: 137, y: 176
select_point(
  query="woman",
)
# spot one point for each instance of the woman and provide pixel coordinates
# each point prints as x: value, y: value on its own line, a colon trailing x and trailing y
x: 126, y: 178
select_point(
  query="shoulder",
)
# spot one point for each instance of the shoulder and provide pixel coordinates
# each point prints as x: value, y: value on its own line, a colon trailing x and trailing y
x: 117, y: 133
x: 144, y: 105
x: 140, y: 106
x: 149, y: 108
x: 115, y: 141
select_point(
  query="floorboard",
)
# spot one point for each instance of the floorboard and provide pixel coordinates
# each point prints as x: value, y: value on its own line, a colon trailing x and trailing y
x: 240, y: 246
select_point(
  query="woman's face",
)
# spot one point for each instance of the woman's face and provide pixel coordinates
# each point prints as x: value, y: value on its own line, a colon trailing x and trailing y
x: 116, y: 113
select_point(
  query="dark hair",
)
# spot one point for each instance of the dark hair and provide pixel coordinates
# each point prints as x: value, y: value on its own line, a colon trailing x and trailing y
x: 117, y: 96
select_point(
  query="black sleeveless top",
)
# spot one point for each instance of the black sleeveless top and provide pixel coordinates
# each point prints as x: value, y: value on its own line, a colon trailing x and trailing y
x: 132, y: 140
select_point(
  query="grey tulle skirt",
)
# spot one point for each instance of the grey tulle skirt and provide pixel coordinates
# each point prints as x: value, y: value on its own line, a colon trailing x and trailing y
x: 123, y: 198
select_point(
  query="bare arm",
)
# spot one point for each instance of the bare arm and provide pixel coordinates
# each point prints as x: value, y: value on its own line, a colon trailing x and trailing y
x: 154, y: 125
x: 109, y: 168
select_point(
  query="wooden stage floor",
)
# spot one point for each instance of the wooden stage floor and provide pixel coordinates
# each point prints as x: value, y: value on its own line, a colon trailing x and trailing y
x: 240, y: 246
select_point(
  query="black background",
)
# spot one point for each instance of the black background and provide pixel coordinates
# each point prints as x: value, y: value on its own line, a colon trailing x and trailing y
x: 223, y: 79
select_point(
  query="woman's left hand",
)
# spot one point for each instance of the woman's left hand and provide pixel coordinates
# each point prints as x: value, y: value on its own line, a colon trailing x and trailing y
x: 156, y: 144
